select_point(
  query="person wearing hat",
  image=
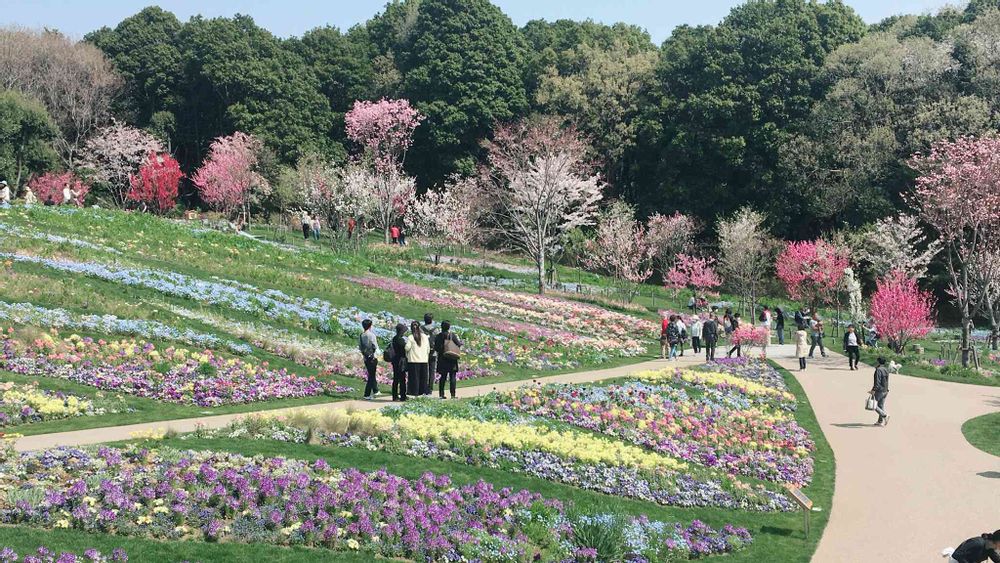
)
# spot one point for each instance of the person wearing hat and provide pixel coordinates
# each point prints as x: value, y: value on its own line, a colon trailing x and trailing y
x: 4, y: 193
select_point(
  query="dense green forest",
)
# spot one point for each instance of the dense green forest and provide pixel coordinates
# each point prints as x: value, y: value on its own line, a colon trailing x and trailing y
x: 794, y: 107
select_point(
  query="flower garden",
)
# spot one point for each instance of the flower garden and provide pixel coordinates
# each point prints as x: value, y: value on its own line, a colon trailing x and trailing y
x: 169, y: 321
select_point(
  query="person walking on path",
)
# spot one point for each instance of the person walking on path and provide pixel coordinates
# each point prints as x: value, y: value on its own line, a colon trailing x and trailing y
x: 665, y: 323
x: 430, y: 332
x: 696, y: 328
x: 816, y: 327
x: 801, y: 347
x: 368, y: 346
x: 448, y: 346
x: 737, y: 347
x: 402, y: 234
x: 779, y: 324
x: 673, y: 336
x: 710, y: 333
x: 317, y: 226
x: 880, y: 389
x: 306, y: 224
x: 399, y: 363
x: 683, y: 332
x: 418, y: 349
x: 852, y: 346
x: 976, y: 550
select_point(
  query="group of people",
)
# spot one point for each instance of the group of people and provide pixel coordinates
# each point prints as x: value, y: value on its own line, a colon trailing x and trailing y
x: 7, y: 195
x: 398, y: 234
x: 311, y: 225
x: 415, y: 353
x: 705, y: 333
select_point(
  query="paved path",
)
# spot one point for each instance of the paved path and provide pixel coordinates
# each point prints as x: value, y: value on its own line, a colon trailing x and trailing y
x: 906, y: 491
x: 116, y: 433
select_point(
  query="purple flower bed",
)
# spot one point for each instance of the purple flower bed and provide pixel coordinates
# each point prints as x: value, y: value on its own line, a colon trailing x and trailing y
x: 46, y: 555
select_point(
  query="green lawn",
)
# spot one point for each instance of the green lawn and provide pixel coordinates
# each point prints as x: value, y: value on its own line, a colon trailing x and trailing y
x: 983, y: 432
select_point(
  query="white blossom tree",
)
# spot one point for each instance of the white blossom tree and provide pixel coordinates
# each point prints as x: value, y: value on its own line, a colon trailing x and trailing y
x: 621, y: 249
x: 746, y: 250
x: 115, y: 153
x: 542, y: 185
x: 898, y: 244
x: 451, y: 213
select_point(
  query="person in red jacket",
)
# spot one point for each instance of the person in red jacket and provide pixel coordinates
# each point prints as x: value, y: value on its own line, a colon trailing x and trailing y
x: 394, y: 233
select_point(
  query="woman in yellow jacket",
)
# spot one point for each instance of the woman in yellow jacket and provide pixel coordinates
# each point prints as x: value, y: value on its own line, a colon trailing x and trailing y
x: 418, y: 349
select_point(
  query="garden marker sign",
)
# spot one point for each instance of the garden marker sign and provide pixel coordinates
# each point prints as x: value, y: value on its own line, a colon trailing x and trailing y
x: 805, y: 502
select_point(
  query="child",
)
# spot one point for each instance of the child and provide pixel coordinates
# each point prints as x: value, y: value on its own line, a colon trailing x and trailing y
x: 801, y: 347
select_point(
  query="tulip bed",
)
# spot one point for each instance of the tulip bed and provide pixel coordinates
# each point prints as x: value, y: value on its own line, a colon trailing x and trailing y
x: 758, y: 442
x: 223, y: 497
x: 139, y: 368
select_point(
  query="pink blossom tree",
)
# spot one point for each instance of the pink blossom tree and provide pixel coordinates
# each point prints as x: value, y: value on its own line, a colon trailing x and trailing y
x: 958, y: 195
x: 670, y: 236
x: 694, y: 273
x: 385, y: 131
x: 229, y: 175
x: 901, y: 310
x: 155, y: 186
x: 542, y: 185
x: 114, y: 154
x: 50, y: 187
x: 812, y: 270
x: 621, y: 250
x: 749, y: 336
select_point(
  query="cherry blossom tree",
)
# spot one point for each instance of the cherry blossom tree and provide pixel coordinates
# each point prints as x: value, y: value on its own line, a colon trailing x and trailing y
x: 384, y: 128
x: 670, y: 236
x: 114, y: 155
x: 49, y: 187
x: 155, y: 186
x: 958, y: 195
x: 228, y: 176
x: 745, y: 255
x: 385, y: 131
x: 898, y: 243
x: 317, y: 184
x: 694, y: 273
x: 451, y: 213
x: 621, y: 250
x: 542, y: 186
x: 812, y: 271
x: 901, y: 310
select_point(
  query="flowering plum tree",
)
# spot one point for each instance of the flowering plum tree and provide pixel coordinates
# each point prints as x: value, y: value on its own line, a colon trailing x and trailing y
x: 229, y: 174
x: 115, y: 153
x: 901, y: 310
x: 749, y: 336
x: 155, y: 186
x: 49, y: 188
x: 958, y: 195
x: 694, y: 273
x: 542, y: 186
x: 451, y: 213
x: 746, y: 251
x: 812, y: 270
x: 620, y: 249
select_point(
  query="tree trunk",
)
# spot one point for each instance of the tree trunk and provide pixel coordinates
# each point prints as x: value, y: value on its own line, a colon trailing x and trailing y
x: 966, y: 336
x: 540, y: 264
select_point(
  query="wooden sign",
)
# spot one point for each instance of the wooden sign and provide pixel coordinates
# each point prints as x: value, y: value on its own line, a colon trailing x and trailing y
x: 805, y: 502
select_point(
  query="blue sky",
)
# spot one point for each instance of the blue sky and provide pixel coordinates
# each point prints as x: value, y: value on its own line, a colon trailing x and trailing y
x: 292, y: 17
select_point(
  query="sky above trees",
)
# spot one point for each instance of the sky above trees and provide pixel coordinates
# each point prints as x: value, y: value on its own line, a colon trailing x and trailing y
x: 294, y: 17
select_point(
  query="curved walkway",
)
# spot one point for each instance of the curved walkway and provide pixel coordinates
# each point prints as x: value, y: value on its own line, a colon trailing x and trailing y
x: 117, y: 433
x: 906, y: 491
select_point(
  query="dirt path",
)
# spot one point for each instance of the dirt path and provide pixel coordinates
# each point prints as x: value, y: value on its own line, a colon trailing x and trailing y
x: 906, y: 491
x: 116, y: 433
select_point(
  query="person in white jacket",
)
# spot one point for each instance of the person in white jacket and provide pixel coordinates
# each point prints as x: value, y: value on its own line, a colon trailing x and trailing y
x: 681, y: 330
x: 696, y: 335
x: 418, y: 350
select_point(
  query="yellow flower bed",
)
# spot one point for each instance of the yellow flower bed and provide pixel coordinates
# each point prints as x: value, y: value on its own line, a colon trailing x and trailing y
x: 43, y: 403
x: 712, y: 379
x: 569, y: 444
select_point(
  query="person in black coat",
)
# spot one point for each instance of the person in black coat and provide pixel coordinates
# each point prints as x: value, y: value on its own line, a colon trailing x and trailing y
x: 977, y: 550
x: 710, y: 335
x: 399, y: 363
x: 880, y: 389
x: 447, y: 366
x: 779, y: 324
x: 738, y: 348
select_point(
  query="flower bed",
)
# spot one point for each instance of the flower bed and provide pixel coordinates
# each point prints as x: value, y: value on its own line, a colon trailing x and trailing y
x: 26, y: 403
x: 562, y: 455
x: 548, y: 326
x: 46, y: 555
x: 753, y: 442
x: 756, y: 394
x: 751, y: 369
x: 209, y: 496
x: 175, y: 375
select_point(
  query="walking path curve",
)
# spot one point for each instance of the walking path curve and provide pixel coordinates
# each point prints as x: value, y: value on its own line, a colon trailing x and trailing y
x: 912, y: 488
x: 116, y: 433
